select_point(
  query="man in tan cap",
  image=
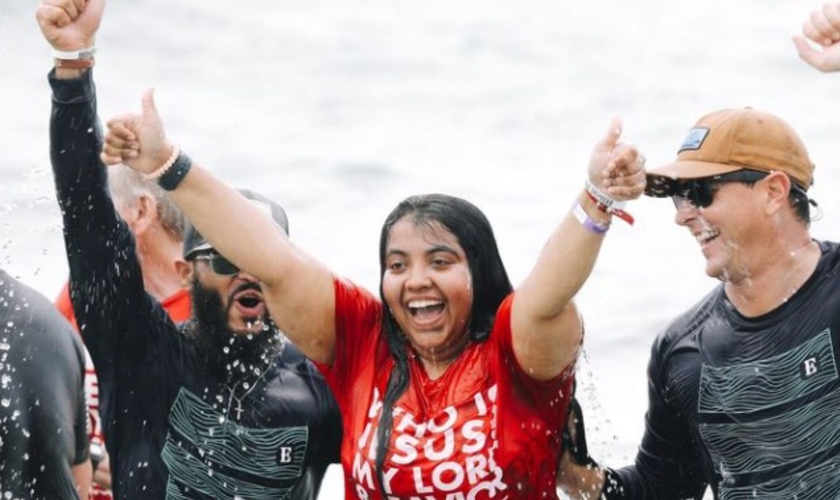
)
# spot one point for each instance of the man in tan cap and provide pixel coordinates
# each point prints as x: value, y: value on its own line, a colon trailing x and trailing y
x: 744, y: 387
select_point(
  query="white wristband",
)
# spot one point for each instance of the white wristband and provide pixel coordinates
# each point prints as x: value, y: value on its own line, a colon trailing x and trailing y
x: 602, y: 197
x: 87, y: 53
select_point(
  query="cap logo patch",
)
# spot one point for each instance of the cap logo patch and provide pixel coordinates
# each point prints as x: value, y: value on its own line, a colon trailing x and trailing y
x: 694, y: 139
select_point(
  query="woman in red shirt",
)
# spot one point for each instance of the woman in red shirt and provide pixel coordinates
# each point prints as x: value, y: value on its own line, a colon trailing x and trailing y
x: 451, y: 385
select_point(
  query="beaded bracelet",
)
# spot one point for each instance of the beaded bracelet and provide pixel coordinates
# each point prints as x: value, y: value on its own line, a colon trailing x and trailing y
x: 156, y: 173
x: 173, y: 176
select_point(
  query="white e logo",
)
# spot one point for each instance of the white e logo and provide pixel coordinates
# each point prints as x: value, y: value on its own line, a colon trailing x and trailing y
x: 284, y: 455
x: 810, y: 367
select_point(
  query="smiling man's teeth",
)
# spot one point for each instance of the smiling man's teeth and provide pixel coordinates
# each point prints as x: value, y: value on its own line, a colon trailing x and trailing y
x: 706, y: 235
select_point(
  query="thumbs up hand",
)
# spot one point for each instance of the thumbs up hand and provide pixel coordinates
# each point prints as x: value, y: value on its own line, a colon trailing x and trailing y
x: 617, y: 168
x: 138, y: 140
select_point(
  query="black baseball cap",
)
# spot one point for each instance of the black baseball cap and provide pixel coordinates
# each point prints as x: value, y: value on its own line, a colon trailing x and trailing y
x: 194, y: 242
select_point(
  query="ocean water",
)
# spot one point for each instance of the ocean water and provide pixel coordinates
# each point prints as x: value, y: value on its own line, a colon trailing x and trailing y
x: 340, y: 110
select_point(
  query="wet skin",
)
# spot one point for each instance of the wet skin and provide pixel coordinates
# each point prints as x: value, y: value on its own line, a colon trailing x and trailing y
x: 244, y: 303
x: 428, y: 287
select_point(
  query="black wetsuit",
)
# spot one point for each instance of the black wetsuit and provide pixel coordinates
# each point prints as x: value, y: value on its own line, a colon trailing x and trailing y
x: 43, y: 416
x: 172, y: 428
x: 748, y: 406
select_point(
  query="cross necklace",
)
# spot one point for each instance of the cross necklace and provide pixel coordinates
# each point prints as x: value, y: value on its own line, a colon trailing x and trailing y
x: 239, y: 399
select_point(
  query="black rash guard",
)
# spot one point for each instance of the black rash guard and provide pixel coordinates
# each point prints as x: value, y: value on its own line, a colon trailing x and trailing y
x: 746, y: 406
x: 43, y: 416
x: 173, y: 430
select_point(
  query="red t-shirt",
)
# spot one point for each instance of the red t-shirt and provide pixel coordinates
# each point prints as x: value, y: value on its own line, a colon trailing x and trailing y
x: 483, y: 430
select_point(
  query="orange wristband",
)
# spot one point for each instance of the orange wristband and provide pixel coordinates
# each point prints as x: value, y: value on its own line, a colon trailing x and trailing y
x: 75, y: 63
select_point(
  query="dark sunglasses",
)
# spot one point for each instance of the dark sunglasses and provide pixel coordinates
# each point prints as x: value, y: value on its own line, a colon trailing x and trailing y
x: 218, y: 264
x: 701, y: 192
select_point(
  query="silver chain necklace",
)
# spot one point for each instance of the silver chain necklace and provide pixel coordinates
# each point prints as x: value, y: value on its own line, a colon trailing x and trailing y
x: 249, y: 389
x: 239, y: 399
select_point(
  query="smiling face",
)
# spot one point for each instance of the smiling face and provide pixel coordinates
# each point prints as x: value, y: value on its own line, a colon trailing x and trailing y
x: 427, y: 286
x: 726, y: 230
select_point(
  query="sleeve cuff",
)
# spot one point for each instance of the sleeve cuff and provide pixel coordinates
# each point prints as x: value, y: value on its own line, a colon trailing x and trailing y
x: 613, y: 488
x: 73, y: 90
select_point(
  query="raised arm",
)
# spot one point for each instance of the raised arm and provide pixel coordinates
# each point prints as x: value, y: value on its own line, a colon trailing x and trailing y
x: 823, y: 29
x: 546, y: 326
x: 106, y: 284
x: 298, y: 289
x: 667, y: 464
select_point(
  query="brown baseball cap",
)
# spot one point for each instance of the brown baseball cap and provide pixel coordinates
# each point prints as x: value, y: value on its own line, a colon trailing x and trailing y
x: 734, y: 139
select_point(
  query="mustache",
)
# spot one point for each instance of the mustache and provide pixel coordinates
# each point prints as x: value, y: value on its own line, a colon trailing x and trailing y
x: 218, y: 344
x: 246, y: 286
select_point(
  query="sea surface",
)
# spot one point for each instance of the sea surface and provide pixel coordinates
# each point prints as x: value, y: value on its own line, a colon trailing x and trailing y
x: 340, y: 109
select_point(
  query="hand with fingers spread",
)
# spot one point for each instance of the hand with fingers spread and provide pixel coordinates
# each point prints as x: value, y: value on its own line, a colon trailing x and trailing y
x: 138, y: 141
x: 70, y: 25
x: 617, y: 168
x: 823, y: 29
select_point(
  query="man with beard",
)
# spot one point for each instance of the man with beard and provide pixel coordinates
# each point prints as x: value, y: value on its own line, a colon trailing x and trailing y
x: 222, y: 408
x: 158, y: 228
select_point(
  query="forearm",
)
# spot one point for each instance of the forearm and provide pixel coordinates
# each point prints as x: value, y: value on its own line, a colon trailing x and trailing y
x: 75, y: 142
x: 546, y: 326
x: 595, y: 483
x: 630, y: 483
x: 564, y: 264
x: 237, y: 228
x: 666, y: 465
x: 104, y: 273
x: 82, y: 476
x: 299, y: 290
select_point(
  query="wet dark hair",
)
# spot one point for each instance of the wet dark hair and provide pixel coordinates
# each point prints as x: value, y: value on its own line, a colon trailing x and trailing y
x: 801, y: 204
x: 798, y: 200
x: 489, y: 281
